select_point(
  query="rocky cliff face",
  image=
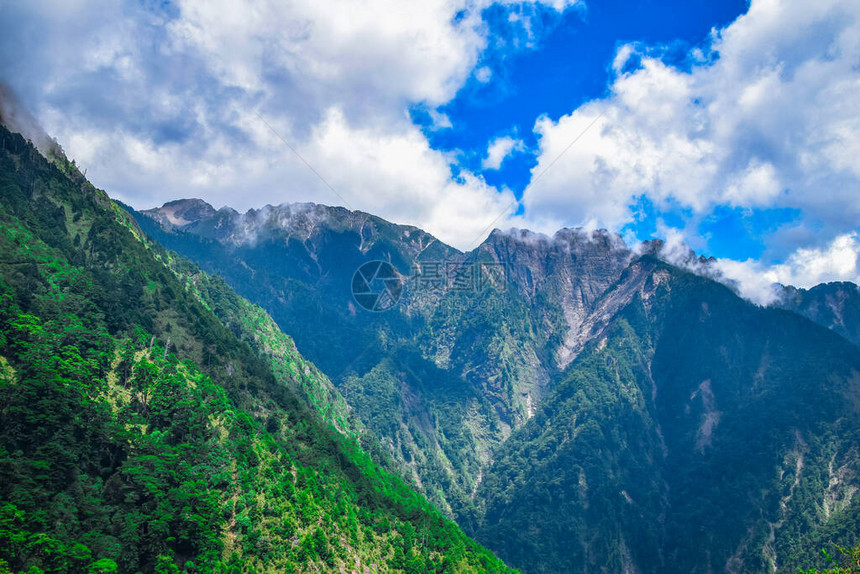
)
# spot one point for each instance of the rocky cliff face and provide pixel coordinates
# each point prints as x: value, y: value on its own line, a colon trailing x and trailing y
x: 570, y: 270
x: 551, y: 283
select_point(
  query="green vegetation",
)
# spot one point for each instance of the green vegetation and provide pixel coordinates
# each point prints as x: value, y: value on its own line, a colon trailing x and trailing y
x: 439, y: 386
x: 847, y: 561
x: 140, y: 433
x: 697, y: 433
x: 252, y: 325
x: 692, y: 432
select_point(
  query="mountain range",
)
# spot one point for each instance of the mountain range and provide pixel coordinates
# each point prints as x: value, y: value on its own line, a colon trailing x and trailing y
x: 574, y: 403
x: 309, y: 388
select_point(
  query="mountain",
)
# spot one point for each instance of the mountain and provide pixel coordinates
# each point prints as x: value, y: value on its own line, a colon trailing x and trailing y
x: 695, y: 433
x: 153, y: 421
x: 833, y: 305
x: 298, y: 262
x: 575, y: 404
x: 440, y: 384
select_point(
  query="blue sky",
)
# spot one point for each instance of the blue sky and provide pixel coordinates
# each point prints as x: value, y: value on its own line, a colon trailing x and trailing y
x: 569, y: 65
x: 729, y: 127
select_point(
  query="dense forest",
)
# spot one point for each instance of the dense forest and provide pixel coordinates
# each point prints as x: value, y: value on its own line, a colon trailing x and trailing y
x: 141, y: 433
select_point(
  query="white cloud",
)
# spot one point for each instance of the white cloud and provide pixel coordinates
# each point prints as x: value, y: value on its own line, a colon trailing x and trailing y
x: 749, y: 279
x: 768, y: 118
x: 483, y: 74
x: 499, y: 150
x: 372, y: 55
x: 440, y: 120
x: 397, y: 173
x: 837, y: 261
x: 162, y: 100
x: 758, y: 184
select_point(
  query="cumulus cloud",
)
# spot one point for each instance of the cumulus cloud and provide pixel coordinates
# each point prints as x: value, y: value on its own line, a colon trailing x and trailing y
x: 766, y: 117
x: 399, y: 174
x: 167, y: 100
x: 374, y: 56
x: 499, y: 150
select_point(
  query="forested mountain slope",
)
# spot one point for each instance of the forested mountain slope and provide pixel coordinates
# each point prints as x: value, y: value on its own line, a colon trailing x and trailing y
x: 297, y: 262
x: 590, y: 409
x: 695, y: 433
x: 138, y: 432
x: 444, y: 376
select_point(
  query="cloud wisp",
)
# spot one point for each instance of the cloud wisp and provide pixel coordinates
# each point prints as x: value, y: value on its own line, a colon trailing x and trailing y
x: 499, y: 150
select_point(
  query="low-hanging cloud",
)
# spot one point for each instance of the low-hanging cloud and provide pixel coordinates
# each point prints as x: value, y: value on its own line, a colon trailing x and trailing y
x: 760, y: 283
x: 766, y: 117
x: 839, y: 260
x: 17, y: 118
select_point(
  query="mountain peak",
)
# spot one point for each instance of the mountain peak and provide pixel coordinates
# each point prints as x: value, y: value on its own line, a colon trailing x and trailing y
x: 567, y: 239
x: 182, y: 212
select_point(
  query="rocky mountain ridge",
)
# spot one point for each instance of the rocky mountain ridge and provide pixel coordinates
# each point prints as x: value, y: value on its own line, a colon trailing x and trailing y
x: 465, y: 380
